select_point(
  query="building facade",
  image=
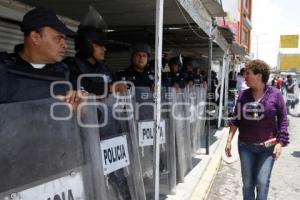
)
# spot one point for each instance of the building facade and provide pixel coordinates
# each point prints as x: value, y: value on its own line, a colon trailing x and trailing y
x: 238, y: 19
x: 289, y: 53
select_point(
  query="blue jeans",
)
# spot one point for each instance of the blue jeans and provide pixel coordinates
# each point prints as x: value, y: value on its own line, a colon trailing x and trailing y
x: 256, y: 163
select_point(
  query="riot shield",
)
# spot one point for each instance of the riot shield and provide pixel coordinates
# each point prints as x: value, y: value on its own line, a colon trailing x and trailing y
x: 46, y: 155
x: 144, y: 113
x: 200, y: 123
x: 181, y: 120
x: 292, y: 101
x: 119, y: 150
x: 192, y: 99
x: 166, y: 112
x: 189, y: 112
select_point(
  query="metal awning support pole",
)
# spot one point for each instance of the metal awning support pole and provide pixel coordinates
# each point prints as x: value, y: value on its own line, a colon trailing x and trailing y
x: 222, y: 88
x: 234, y: 68
x: 210, y: 51
x: 226, y: 87
x: 158, y: 61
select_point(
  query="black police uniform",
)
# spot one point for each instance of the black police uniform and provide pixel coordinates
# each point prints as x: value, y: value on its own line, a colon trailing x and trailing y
x: 187, y: 75
x: 95, y: 85
x: 169, y: 79
x: 139, y: 79
x: 199, y: 79
x: 19, y: 81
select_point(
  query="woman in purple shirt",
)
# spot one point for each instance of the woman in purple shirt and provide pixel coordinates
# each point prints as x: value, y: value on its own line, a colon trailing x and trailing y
x: 261, y: 117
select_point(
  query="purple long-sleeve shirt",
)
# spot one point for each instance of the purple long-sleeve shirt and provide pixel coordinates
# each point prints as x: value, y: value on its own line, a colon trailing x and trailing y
x: 272, y: 120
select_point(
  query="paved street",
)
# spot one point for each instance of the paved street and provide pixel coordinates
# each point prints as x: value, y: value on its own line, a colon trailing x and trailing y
x: 285, y: 181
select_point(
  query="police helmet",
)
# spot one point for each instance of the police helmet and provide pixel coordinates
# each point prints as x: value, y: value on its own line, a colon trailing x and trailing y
x: 140, y: 47
x: 175, y: 61
x: 92, y: 29
x: 86, y: 36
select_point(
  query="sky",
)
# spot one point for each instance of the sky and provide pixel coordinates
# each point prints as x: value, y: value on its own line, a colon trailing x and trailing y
x: 270, y: 19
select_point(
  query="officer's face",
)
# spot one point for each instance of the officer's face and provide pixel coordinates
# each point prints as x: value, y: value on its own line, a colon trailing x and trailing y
x: 140, y: 60
x: 50, y: 44
x: 190, y: 68
x: 174, y: 68
x: 99, y: 52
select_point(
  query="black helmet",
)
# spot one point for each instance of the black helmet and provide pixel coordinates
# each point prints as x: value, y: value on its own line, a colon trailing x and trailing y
x: 92, y: 29
x: 175, y: 61
x: 95, y: 35
x: 141, y: 47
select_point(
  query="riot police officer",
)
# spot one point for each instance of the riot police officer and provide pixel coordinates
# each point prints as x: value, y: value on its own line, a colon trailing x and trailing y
x: 290, y: 85
x: 90, y: 46
x: 174, y: 78
x: 187, y: 70
x: 88, y: 68
x: 28, y: 74
x: 138, y: 72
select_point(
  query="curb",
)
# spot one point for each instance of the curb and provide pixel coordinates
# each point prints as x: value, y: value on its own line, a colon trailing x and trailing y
x: 203, y: 187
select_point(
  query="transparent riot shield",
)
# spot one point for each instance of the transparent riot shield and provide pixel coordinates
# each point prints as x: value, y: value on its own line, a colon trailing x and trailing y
x: 190, y: 114
x: 192, y: 99
x: 119, y: 149
x: 200, y: 123
x: 46, y: 155
x: 144, y: 113
x: 292, y: 100
x: 170, y: 156
x: 181, y: 119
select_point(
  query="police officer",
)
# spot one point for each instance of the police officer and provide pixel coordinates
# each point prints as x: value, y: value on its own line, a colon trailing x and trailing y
x: 187, y: 70
x: 290, y: 85
x: 90, y: 46
x: 89, y: 60
x: 138, y: 72
x: 28, y: 74
x: 174, y: 78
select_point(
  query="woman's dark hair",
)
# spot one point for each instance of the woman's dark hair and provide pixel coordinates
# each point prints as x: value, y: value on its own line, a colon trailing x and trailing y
x: 259, y: 67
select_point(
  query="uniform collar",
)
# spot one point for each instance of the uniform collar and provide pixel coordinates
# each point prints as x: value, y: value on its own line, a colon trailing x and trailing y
x: 49, y: 72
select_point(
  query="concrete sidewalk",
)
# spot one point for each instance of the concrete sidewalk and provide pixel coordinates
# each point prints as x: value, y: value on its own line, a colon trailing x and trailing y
x: 285, y: 179
x: 197, y: 182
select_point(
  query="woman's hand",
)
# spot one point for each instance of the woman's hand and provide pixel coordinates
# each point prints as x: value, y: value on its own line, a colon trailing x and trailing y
x: 232, y: 130
x: 277, y: 150
x: 228, y: 149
